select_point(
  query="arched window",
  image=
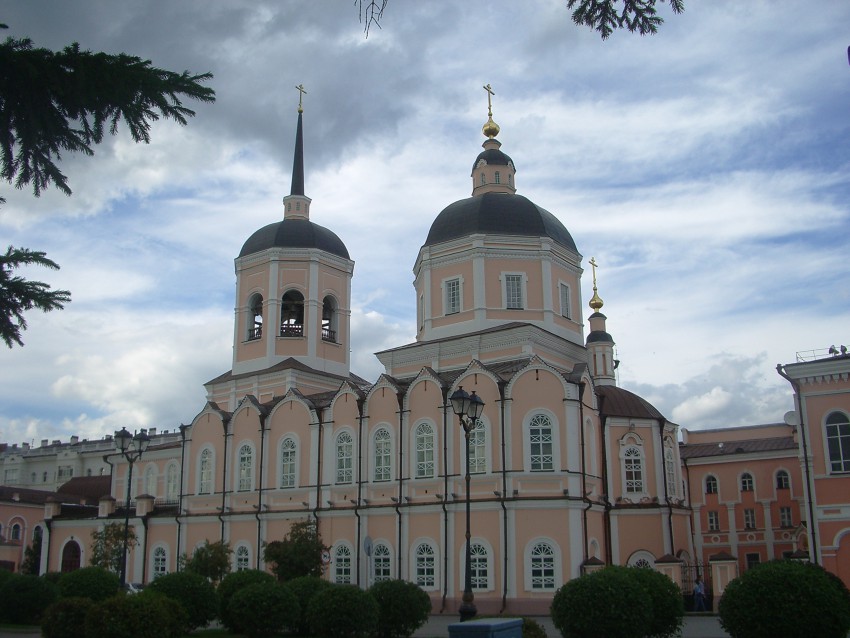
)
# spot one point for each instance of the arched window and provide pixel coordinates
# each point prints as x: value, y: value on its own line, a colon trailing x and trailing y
x: 747, y: 482
x: 342, y: 565
x: 292, y: 314
x: 288, y: 452
x: 542, y: 562
x: 344, y: 458
x: 381, y: 563
x: 642, y: 558
x: 479, y: 566
x: 670, y: 471
x: 633, y: 469
x: 70, y: 557
x: 16, y: 532
x: 329, y: 319
x: 540, y: 442
x: 424, y: 451
x: 246, y: 468
x: 710, y: 484
x: 205, y: 472
x: 426, y: 566
x: 383, y: 455
x: 44, y: 477
x: 783, y: 481
x: 243, y: 558
x: 478, y: 448
x: 838, y: 441
x: 160, y: 562
x: 255, y: 325
x: 150, y: 480
x: 172, y: 483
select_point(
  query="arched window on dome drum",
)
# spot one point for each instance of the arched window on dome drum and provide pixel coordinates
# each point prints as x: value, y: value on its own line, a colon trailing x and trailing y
x: 255, y: 326
x: 292, y: 314
x: 329, y: 319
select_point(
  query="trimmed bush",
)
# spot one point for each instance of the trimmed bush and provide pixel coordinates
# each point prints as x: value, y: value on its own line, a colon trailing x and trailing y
x: 609, y: 603
x: 532, y: 629
x: 304, y: 588
x: 668, y: 606
x: 146, y: 615
x: 194, y: 593
x: 94, y: 583
x: 785, y: 598
x: 24, y: 599
x: 403, y: 607
x: 343, y: 611
x: 262, y: 610
x: 65, y: 617
x: 232, y: 583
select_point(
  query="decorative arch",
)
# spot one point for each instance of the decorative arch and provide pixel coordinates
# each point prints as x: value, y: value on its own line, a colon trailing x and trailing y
x: 292, y: 314
x: 255, y: 317
x: 330, y: 319
x: 642, y: 558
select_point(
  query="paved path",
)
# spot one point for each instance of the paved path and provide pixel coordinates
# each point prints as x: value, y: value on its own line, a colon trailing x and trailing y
x: 696, y: 626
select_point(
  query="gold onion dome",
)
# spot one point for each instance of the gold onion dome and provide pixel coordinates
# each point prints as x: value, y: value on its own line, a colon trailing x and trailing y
x: 490, y: 129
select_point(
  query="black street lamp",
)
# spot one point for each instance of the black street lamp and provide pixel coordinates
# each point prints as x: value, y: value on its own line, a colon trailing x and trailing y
x: 131, y: 447
x: 468, y: 408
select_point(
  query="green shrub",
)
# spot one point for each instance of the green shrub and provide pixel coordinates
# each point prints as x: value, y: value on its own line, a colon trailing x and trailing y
x: 668, y: 606
x: 304, y: 588
x: 785, y: 598
x: 532, y: 629
x: 263, y: 610
x: 193, y: 592
x: 94, y: 583
x: 232, y: 583
x: 65, y: 617
x: 609, y: 603
x: 343, y: 611
x: 146, y: 615
x: 402, y: 608
x: 23, y: 599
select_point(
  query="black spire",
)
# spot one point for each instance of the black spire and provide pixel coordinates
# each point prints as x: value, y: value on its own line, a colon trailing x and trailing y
x: 298, y: 161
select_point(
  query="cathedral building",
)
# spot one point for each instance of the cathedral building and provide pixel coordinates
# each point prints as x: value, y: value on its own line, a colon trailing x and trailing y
x: 567, y: 470
x: 562, y: 471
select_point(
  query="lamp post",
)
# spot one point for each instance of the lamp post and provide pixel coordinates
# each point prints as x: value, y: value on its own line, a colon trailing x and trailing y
x: 468, y: 408
x: 131, y: 447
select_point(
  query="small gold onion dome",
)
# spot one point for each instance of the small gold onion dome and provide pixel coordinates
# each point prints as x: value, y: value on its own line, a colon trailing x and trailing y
x: 595, y: 302
x: 490, y: 129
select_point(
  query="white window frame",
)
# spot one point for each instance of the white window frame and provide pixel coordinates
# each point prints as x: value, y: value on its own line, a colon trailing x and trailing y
x: 564, y: 293
x: 382, y: 562
x: 344, y: 448
x: 244, y: 467
x: 670, y: 471
x: 424, y: 456
x: 151, y: 476
x: 782, y: 476
x: 479, y: 458
x: 382, y: 455
x: 786, y: 516
x: 480, y: 582
x: 837, y: 442
x: 242, y: 557
x: 747, y: 482
x: 287, y: 463
x: 159, y: 561
x: 711, y: 479
x: 713, y: 521
x: 542, y: 565
x: 206, y: 470
x: 172, y: 482
x: 507, y: 303
x: 749, y: 518
x: 541, y: 446
x: 342, y: 564
x: 449, y: 308
x: 426, y: 564
x: 633, y: 467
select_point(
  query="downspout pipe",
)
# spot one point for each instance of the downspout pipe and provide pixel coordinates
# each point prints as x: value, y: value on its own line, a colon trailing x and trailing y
x: 145, y: 549
x: 445, y: 394
x: 697, y: 559
x: 360, y: 407
x: 798, y: 404
x: 400, y: 472
x: 605, y: 482
x: 227, y: 435
x: 320, y: 422
x: 260, y: 476
x: 581, y: 388
x: 179, y: 514
x: 502, y: 385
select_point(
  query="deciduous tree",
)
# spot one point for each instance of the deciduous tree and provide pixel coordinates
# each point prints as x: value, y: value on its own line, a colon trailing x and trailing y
x: 210, y: 560
x: 107, y: 549
x: 298, y: 554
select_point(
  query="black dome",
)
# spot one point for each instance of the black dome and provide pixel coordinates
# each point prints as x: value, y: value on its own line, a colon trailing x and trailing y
x: 492, y: 156
x: 498, y: 213
x: 294, y: 233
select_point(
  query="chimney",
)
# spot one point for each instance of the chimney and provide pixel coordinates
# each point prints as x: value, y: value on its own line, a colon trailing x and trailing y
x: 151, y: 431
x: 75, y: 439
x: 43, y: 442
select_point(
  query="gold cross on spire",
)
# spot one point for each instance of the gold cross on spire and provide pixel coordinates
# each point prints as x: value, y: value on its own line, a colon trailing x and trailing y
x: 596, y: 302
x: 490, y: 93
x: 301, y: 93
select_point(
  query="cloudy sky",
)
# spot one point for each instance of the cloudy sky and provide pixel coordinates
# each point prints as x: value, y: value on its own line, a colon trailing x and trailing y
x: 706, y: 169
